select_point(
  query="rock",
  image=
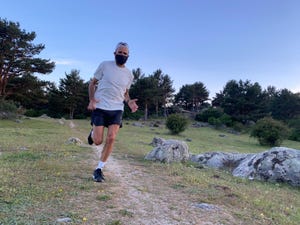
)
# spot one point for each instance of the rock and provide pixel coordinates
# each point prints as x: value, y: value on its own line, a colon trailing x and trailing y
x: 157, y: 141
x: 279, y: 164
x: 44, y: 116
x: 64, y: 220
x: 219, y: 160
x: 137, y: 124
x: 72, y: 124
x: 169, y: 151
x: 61, y: 122
x: 200, y: 124
x: 23, y: 148
x: 206, y: 206
x: 74, y: 140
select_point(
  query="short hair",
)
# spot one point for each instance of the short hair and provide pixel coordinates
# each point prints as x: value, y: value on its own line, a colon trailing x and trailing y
x: 120, y: 44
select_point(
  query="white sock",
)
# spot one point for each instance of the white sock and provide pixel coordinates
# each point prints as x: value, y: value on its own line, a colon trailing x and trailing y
x: 100, y: 165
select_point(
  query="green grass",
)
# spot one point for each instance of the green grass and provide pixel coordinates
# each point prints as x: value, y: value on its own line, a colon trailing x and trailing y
x: 37, y: 171
x: 43, y: 178
x: 253, y: 202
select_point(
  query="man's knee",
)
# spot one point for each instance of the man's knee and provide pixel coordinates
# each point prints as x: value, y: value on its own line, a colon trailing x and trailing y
x: 97, y: 141
x: 110, y: 139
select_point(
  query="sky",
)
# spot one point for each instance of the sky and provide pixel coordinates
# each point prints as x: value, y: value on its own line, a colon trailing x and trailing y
x: 208, y: 41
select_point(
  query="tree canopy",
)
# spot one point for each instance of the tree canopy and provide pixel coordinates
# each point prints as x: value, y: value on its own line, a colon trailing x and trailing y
x: 192, y: 96
x: 17, y: 52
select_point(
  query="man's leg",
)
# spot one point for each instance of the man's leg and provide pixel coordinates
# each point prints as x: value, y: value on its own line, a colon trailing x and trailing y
x: 107, y: 149
x: 98, y: 134
x: 109, y: 142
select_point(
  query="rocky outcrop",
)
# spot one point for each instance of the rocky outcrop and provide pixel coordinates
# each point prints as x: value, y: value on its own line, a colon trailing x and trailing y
x: 278, y: 164
x: 219, y: 160
x: 168, y: 151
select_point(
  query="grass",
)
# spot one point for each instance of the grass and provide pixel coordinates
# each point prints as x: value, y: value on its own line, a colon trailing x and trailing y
x: 44, y: 178
x: 253, y: 202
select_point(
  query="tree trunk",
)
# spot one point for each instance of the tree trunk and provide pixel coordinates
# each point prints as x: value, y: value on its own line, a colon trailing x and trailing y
x: 3, y: 83
x: 146, y: 112
x: 71, y: 113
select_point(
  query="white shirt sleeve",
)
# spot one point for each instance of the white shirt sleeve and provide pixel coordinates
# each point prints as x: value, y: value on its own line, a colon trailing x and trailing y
x: 99, y: 71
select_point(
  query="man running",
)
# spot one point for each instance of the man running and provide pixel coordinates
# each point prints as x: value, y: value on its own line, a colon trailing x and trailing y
x: 108, y: 91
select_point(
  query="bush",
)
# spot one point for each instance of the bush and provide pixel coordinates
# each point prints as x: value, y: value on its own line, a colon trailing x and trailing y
x: 215, y: 122
x: 8, y: 110
x: 33, y: 113
x: 176, y: 123
x: 294, y: 124
x: 270, y: 132
x: 226, y: 120
x: 205, y: 115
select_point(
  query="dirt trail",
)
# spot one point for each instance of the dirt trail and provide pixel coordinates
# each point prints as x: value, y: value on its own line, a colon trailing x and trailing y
x: 145, y: 199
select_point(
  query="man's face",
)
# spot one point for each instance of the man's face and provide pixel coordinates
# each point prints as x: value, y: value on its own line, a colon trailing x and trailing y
x: 121, y: 55
x: 122, y: 50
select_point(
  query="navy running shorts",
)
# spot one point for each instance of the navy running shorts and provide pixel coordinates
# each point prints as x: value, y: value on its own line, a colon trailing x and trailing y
x: 101, y: 117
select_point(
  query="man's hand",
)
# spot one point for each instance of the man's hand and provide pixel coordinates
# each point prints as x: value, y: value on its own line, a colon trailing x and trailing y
x: 132, y: 105
x: 92, y: 104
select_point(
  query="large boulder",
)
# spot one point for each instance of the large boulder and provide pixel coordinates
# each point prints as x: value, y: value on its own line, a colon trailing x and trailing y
x: 219, y: 160
x: 279, y: 164
x: 169, y: 151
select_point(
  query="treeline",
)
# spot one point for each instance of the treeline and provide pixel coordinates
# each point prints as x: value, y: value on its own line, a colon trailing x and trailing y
x: 242, y: 101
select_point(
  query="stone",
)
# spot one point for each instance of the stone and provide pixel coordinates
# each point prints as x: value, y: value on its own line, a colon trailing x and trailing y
x: 156, y: 141
x: 219, y: 160
x: 74, y: 140
x: 279, y: 164
x: 64, y: 220
x: 169, y: 151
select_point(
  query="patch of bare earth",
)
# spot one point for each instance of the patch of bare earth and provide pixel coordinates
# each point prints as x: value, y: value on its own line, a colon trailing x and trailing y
x: 136, y: 196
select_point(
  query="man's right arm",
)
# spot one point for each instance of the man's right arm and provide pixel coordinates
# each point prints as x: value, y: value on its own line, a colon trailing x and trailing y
x: 92, y: 89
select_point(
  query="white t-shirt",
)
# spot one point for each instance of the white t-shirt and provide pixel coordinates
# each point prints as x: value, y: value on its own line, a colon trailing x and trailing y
x: 112, y: 84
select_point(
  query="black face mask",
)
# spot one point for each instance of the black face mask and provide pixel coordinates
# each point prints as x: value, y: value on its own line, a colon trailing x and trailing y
x: 121, y: 59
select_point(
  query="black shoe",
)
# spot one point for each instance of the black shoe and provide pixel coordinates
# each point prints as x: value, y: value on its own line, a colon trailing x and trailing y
x: 90, y: 140
x: 98, y: 175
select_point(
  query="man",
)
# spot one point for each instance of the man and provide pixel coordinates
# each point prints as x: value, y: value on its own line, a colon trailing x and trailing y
x: 108, y: 91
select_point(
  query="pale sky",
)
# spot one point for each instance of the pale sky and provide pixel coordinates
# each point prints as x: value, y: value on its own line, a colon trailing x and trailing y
x: 208, y: 41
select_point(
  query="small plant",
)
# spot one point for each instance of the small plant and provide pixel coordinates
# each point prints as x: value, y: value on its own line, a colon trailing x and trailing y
x: 125, y: 212
x: 270, y: 132
x: 103, y: 197
x: 176, y: 123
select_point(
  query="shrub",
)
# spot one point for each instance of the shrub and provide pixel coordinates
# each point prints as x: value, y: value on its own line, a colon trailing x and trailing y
x: 33, y: 113
x: 205, y: 115
x: 269, y: 132
x: 215, y: 122
x: 176, y: 123
x: 8, y: 110
x: 226, y: 120
x: 294, y: 124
